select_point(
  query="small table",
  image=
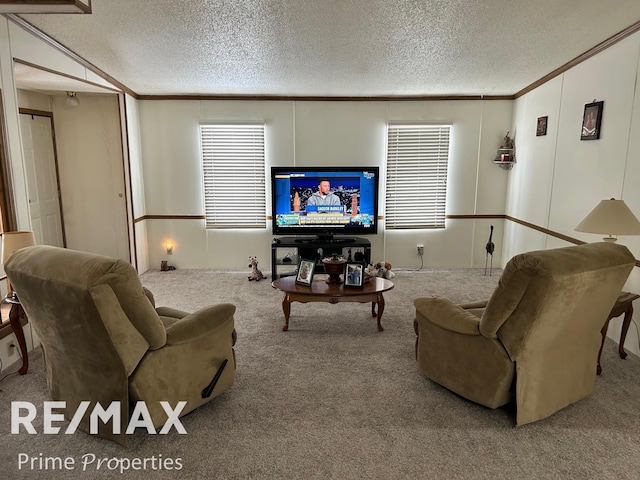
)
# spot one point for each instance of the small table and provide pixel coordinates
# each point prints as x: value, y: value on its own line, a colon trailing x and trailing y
x: 15, y: 319
x: 624, y: 304
x: 321, y: 291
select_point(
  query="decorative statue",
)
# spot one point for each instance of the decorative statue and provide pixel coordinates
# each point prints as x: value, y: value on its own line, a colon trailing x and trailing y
x: 490, y: 247
x: 507, y: 142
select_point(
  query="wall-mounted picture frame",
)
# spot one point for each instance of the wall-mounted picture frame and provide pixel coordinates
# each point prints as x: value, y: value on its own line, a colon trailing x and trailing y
x: 305, y: 272
x: 591, y: 121
x: 354, y: 275
x: 541, y: 127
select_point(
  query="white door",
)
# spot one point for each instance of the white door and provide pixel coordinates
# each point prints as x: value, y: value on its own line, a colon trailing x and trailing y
x: 42, y: 179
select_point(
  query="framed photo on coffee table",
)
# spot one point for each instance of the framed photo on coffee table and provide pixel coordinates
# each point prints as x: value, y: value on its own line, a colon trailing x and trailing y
x: 305, y: 272
x: 354, y: 275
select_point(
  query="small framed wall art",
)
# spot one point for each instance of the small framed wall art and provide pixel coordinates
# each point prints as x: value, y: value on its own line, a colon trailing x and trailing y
x: 591, y: 121
x: 541, y: 127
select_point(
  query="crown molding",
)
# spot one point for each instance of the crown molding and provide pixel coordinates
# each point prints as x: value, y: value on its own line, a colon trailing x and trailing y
x: 320, y: 98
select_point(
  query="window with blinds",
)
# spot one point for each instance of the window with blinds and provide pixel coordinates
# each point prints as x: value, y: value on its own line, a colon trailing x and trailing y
x: 416, y: 188
x: 234, y: 175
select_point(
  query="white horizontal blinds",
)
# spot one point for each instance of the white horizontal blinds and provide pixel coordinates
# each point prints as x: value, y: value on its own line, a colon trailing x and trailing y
x: 416, y: 187
x: 234, y: 178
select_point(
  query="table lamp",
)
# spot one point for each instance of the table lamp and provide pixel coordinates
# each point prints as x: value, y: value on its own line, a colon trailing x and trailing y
x: 12, y: 241
x: 612, y: 217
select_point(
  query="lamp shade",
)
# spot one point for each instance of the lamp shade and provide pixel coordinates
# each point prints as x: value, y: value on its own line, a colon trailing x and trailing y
x: 12, y: 241
x: 612, y: 217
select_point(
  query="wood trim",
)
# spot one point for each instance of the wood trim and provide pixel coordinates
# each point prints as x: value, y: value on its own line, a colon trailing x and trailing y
x: 66, y: 75
x: 302, y: 98
x: 86, y: 8
x: 581, y: 58
x: 170, y: 217
x: 533, y: 226
x: 482, y: 215
x: 546, y: 231
x: 68, y: 52
x: 500, y: 216
x: 38, y: 113
x: 524, y: 223
x: 551, y: 233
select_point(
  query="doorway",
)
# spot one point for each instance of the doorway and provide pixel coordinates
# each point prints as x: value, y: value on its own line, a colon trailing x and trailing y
x: 43, y: 182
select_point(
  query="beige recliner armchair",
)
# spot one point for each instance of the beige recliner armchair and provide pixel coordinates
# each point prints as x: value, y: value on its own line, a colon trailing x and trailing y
x: 104, y: 341
x: 536, y: 339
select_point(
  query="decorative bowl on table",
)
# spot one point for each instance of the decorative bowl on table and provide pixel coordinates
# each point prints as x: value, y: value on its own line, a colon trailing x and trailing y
x: 334, y: 266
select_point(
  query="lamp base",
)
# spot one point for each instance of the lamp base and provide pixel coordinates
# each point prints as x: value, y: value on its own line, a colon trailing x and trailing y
x: 610, y: 239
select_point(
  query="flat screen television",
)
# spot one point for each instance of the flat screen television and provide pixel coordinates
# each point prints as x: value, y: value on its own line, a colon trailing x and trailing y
x: 324, y: 201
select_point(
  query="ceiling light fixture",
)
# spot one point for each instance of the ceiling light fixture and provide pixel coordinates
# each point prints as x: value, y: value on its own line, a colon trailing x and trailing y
x: 72, y: 99
x: 45, y: 6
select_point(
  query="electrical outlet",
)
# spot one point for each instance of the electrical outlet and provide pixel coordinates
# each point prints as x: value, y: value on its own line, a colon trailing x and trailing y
x: 420, y: 249
x: 11, y: 348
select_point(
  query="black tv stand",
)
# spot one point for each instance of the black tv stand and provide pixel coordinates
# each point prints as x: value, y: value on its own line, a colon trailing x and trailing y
x: 315, y: 249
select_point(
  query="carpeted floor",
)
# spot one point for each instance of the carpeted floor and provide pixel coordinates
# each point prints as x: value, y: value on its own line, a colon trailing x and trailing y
x: 334, y: 398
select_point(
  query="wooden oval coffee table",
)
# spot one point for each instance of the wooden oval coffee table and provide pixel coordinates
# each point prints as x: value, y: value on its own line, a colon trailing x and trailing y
x: 321, y: 291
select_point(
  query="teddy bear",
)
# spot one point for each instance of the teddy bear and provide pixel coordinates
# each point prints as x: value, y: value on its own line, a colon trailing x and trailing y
x: 256, y: 274
x: 384, y: 270
x: 370, y: 271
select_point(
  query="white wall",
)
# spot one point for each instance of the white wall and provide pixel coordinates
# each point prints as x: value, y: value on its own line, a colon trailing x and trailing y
x: 559, y: 179
x: 320, y: 133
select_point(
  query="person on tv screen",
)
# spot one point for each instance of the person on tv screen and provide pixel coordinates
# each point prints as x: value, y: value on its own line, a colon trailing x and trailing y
x: 324, y: 196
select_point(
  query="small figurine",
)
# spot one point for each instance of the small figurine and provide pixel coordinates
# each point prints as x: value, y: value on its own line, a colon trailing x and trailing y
x: 507, y: 142
x: 256, y: 274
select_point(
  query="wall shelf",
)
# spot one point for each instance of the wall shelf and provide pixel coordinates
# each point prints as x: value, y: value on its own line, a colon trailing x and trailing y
x: 506, y: 158
x: 505, y: 165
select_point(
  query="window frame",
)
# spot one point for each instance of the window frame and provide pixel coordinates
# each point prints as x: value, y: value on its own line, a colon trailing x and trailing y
x: 417, y: 160
x: 239, y: 149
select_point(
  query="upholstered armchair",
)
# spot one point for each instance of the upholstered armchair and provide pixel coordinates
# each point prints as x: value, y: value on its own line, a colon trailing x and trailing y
x: 104, y: 341
x: 536, y: 340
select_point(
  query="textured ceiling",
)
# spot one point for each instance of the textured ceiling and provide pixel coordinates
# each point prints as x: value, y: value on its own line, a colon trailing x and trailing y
x: 335, y: 47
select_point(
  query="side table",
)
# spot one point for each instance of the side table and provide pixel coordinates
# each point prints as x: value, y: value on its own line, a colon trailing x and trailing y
x: 15, y: 319
x: 624, y: 304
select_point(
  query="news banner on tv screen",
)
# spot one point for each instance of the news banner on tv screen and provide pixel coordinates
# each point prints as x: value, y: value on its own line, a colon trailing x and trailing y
x: 355, y: 189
